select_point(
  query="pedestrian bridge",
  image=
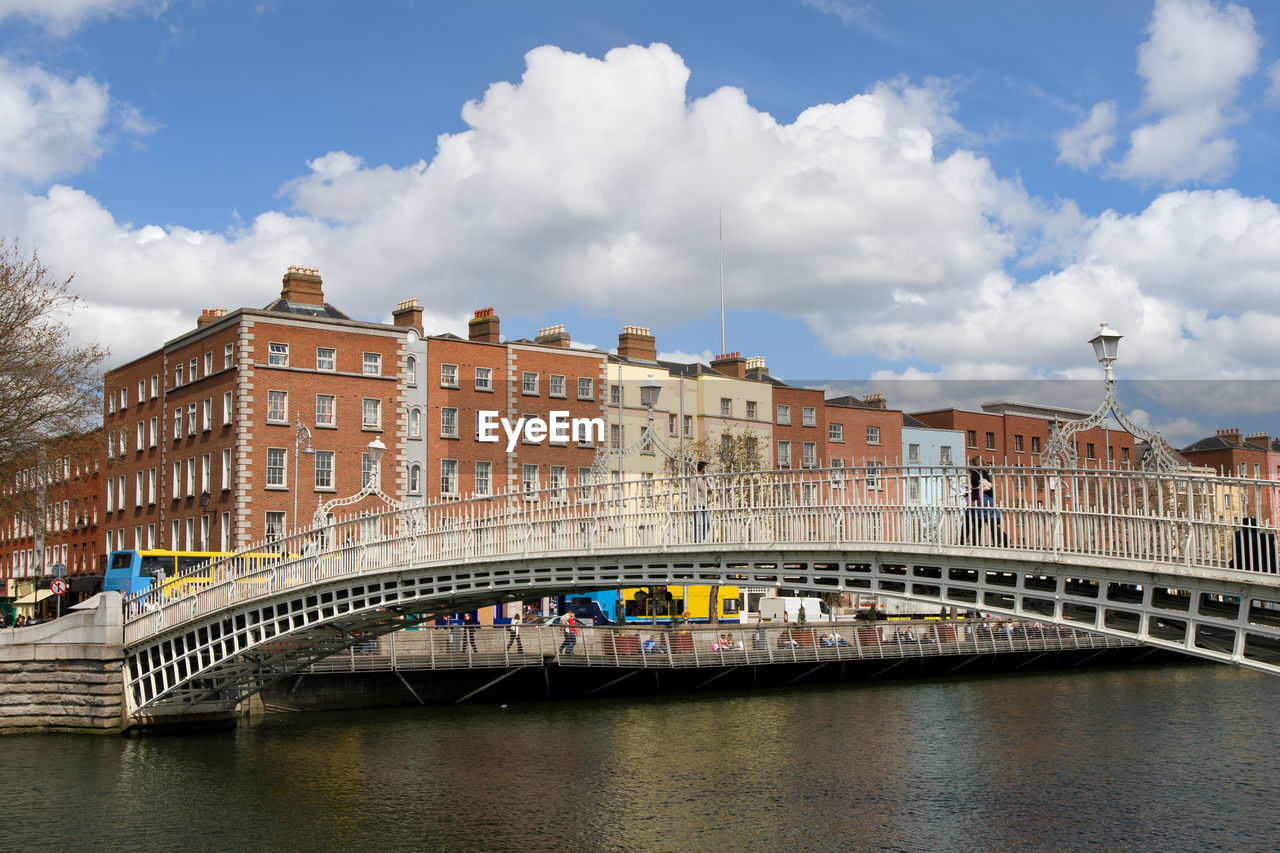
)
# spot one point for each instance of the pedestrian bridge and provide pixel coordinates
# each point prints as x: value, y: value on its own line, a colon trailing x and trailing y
x: 1159, y: 559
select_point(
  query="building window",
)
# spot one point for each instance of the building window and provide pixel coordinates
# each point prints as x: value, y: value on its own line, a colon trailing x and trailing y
x: 484, y: 478
x: 137, y: 495
x: 615, y: 395
x: 584, y: 484
x: 751, y: 409
x: 726, y: 407
x: 206, y: 414
x: 1124, y: 455
x: 277, y: 407
x: 366, y: 469
x: 228, y: 356
x: 449, y: 422
x: 206, y: 472
x: 1017, y: 444
x: 672, y: 424
x: 226, y: 468
x: 971, y: 438
x: 372, y: 364
x: 556, y: 477
x: 208, y: 363
x: 415, y: 479
x: 809, y: 416
x: 177, y: 483
x: 449, y: 375
x: 325, y: 410
x: 324, y: 469
x: 873, y: 435
x: 411, y: 371
x: 191, y: 369
x: 810, y: 454
x: 155, y: 385
x: 835, y: 432
x: 371, y: 413
x: 873, y: 476
x: 556, y: 386
x: 142, y: 390
x: 177, y: 378
x: 784, y: 415
x: 528, y: 382
x: 913, y: 453
x: 784, y: 454
x: 1089, y: 451
x: 913, y: 490
x: 688, y: 426
x: 151, y: 486
x: 1035, y: 444
x: 191, y: 419
x: 275, y: 525
x: 484, y: 379
x: 275, y: 467
x: 529, y: 478
x: 615, y: 436
x: 191, y: 534
x: 585, y: 391
x: 226, y: 408
x: 415, y: 423
x: 991, y: 441
x: 191, y: 476
x: 141, y: 440
x: 326, y: 358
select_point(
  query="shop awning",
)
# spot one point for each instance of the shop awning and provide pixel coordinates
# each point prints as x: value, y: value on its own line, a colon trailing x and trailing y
x: 33, y: 598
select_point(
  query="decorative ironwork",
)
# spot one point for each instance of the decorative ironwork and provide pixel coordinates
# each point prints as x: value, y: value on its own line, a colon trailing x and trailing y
x: 371, y: 488
x: 1060, y: 450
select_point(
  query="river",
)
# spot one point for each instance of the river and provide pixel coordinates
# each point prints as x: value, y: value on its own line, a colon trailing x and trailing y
x: 1176, y: 757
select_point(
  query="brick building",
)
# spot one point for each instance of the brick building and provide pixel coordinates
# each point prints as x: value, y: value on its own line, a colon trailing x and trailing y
x: 1249, y: 457
x: 216, y: 412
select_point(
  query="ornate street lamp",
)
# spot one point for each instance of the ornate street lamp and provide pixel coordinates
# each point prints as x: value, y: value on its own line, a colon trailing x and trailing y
x: 302, y: 435
x: 1060, y: 451
x: 204, y: 525
x: 371, y: 487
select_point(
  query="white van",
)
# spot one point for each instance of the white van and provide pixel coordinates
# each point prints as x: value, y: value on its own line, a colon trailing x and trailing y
x: 815, y: 610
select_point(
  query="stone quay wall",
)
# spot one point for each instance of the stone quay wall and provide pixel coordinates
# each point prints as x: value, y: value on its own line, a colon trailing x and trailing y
x: 65, y: 675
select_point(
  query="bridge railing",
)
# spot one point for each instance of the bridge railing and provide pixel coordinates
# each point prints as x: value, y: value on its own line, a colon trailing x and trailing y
x: 1179, y: 519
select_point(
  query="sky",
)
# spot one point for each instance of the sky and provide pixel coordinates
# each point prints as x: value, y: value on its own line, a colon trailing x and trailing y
x: 951, y: 193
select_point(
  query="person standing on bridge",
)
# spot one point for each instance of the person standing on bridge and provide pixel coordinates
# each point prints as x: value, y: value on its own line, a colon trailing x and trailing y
x: 1252, y: 548
x: 700, y: 493
x: 469, y: 631
x: 514, y: 632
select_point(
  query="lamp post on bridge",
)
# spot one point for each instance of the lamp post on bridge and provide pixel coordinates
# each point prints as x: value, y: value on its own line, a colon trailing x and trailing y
x: 301, y: 436
x: 1060, y: 450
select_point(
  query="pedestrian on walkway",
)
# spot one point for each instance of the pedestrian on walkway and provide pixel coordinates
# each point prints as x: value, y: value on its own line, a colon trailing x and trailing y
x: 469, y: 631
x: 700, y: 494
x: 514, y: 632
x: 570, y: 634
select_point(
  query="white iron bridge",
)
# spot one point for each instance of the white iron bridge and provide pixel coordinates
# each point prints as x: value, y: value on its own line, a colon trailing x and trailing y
x: 1170, y: 560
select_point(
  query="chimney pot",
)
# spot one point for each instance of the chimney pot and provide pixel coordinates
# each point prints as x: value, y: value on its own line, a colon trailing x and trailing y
x: 484, y: 327
x: 303, y: 286
x: 637, y: 342
x: 408, y: 314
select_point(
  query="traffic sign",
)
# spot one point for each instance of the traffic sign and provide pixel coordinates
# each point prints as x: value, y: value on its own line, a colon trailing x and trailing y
x: 57, y: 586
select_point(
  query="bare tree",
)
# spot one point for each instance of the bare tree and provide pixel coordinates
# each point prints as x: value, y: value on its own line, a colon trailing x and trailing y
x: 50, y: 388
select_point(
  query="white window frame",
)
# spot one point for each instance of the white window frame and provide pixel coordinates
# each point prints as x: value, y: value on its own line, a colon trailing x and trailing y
x: 276, y: 473
x: 374, y: 423
x: 552, y: 381
x: 529, y: 383
x: 448, y: 376
x: 278, y: 354
x: 784, y: 415
x: 784, y: 454
x: 371, y: 364
x: 448, y: 422
x: 873, y: 435
x: 326, y: 359
x: 228, y: 356
x: 449, y: 477
x: 585, y: 382
x: 484, y: 481
x: 808, y: 416
x: 228, y: 407
x: 324, y: 461
x: 277, y: 414
x: 484, y: 378
x: 206, y: 413
x: 332, y: 420
x: 726, y: 407
x: 226, y: 468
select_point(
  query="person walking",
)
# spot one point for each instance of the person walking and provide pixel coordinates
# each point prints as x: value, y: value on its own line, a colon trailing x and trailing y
x: 700, y: 494
x: 570, y: 634
x: 514, y: 635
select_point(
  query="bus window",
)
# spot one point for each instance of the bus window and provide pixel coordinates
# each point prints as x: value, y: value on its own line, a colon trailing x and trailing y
x: 122, y: 559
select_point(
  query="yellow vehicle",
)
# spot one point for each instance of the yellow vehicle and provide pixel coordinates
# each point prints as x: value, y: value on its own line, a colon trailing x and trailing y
x: 692, y: 603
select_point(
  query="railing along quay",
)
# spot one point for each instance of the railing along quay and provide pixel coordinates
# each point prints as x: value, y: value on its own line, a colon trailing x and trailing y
x: 700, y: 646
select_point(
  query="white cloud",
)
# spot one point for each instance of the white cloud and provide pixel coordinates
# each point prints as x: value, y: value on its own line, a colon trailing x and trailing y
x: 65, y: 16
x: 1084, y: 145
x: 1273, y: 83
x: 48, y: 125
x: 596, y: 183
x: 1192, y: 65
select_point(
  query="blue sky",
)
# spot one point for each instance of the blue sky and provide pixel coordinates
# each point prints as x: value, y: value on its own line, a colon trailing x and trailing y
x: 908, y: 189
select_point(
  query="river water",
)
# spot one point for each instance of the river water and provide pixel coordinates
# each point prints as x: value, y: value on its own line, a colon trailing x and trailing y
x: 1179, y: 757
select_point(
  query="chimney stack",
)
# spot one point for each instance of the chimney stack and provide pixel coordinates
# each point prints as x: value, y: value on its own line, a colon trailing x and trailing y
x: 874, y: 401
x: 1260, y: 440
x: 483, y: 327
x: 1230, y: 434
x: 408, y: 313
x: 302, y: 285
x: 637, y: 342
x: 553, y: 336
x: 210, y: 315
x: 730, y: 364
x: 756, y: 368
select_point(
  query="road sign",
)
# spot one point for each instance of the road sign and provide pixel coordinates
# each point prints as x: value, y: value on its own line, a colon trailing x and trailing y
x: 57, y: 586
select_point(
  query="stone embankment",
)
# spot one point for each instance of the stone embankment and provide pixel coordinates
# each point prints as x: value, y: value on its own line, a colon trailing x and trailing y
x: 65, y: 675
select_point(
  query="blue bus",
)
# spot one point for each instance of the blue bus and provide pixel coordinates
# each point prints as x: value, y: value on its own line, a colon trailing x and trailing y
x: 131, y: 572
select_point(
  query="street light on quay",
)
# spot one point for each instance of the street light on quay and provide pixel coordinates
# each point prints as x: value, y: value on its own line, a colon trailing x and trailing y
x: 302, y: 435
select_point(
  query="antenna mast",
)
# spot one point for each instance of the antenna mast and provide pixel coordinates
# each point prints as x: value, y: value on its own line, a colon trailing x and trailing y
x: 720, y: 218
